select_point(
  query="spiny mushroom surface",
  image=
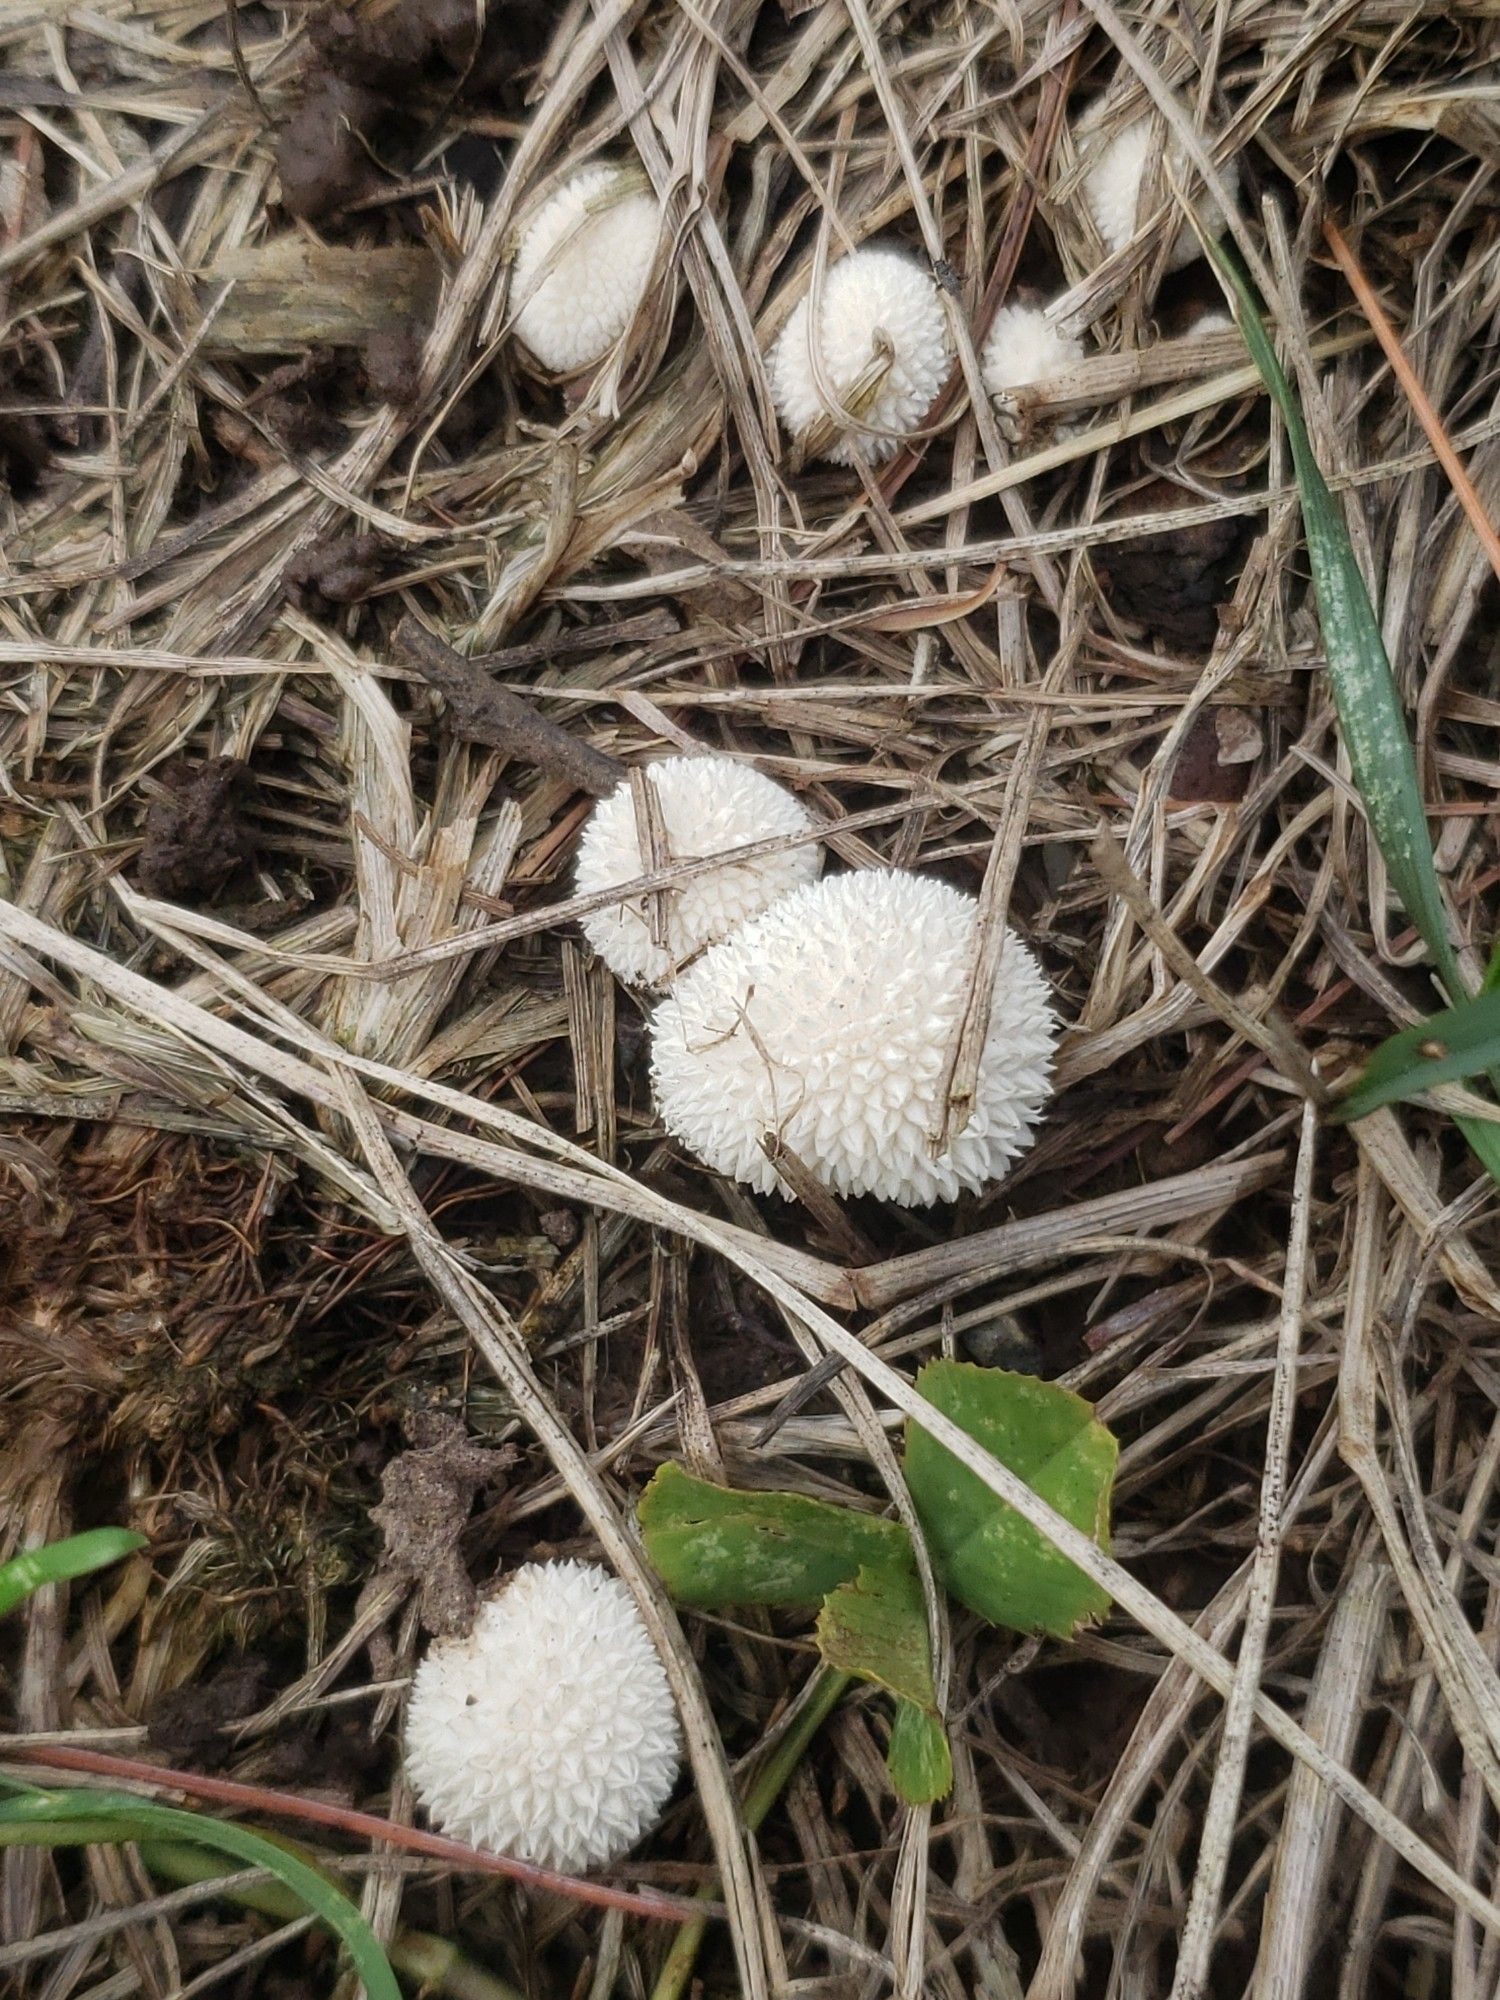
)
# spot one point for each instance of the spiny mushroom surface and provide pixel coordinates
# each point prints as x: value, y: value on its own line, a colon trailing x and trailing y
x: 827, y: 1023
x: 583, y: 266
x: 1115, y: 171
x: 1025, y: 344
x: 549, y: 1733
x: 877, y: 308
x: 709, y: 805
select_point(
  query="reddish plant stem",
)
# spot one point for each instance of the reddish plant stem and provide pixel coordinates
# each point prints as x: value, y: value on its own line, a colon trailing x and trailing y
x: 363, y: 1826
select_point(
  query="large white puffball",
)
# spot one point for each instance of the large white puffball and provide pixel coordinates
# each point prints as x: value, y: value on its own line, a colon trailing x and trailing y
x: 874, y: 300
x: 826, y: 1023
x: 549, y: 1733
x: 583, y: 266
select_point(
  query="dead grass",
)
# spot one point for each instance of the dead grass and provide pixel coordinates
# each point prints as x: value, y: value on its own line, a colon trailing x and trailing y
x: 351, y: 1130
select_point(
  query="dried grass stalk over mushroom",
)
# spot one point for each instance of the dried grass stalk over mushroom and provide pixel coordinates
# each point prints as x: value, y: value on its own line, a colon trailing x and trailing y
x: 825, y: 1023
x: 695, y: 807
x: 582, y: 266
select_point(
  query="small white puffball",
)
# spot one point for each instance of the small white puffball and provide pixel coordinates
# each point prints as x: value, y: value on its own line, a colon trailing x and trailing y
x: 827, y: 1022
x: 1212, y: 321
x: 549, y: 1733
x: 582, y: 267
x: 708, y: 806
x: 875, y: 295
x: 1025, y: 344
x: 1112, y: 189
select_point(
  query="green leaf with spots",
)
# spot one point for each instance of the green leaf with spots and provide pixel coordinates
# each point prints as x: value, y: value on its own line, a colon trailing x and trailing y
x: 875, y: 1627
x: 983, y: 1551
x: 714, y: 1546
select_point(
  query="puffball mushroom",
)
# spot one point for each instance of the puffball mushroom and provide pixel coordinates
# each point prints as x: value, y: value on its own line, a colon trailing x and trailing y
x: 549, y: 1733
x: 709, y: 805
x: 583, y: 266
x: 878, y: 310
x: 827, y: 1021
x: 1112, y: 189
x: 1025, y: 344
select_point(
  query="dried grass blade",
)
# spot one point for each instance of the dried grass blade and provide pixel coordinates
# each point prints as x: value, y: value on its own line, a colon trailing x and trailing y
x: 1191, y: 1979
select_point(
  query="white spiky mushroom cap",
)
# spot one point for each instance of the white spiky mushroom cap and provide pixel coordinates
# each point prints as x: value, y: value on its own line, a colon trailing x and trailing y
x: 1025, y: 344
x: 709, y: 805
x: 1115, y: 170
x: 582, y: 267
x: 877, y: 298
x: 827, y: 1022
x: 549, y: 1733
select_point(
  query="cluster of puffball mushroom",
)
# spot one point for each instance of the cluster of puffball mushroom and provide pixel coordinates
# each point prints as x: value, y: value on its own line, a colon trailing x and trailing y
x: 799, y: 1012
x: 861, y: 360
x: 815, y: 1009
x: 802, y: 1012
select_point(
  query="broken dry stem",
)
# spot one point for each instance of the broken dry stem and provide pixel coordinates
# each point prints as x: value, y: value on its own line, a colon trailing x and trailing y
x: 484, y: 712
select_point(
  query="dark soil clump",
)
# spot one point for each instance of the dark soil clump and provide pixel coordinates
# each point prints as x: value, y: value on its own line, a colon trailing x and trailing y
x: 195, y: 836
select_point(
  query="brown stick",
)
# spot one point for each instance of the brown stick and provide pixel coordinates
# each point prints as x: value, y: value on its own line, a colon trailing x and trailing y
x: 484, y: 712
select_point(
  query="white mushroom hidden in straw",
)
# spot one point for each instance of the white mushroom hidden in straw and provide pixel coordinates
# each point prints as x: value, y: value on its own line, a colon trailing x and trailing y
x: 583, y: 266
x: 1114, y: 173
x: 827, y: 1022
x: 1025, y: 344
x: 883, y: 353
x: 709, y: 805
x: 549, y: 1733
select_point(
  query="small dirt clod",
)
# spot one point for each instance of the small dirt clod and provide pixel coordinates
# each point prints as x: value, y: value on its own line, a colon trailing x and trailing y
x: 1173, y: 583
x: 341, y: 570
x: 393, y: 364
x: 321, y: 154
x: 384, y: 52
x: 195, y: 838
x: 188, y: 1725
x: 427, y: 1493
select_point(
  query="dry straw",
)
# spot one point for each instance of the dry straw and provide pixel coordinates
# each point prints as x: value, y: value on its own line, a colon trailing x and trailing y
x: 360, y: 1129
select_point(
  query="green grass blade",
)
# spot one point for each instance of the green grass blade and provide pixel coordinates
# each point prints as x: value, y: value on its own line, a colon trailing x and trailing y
x: 1359, y: 670
x: 1371, y: 717
x: 85, y: 1816
x: 1463, y: 1042
x: 60, y: 1562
